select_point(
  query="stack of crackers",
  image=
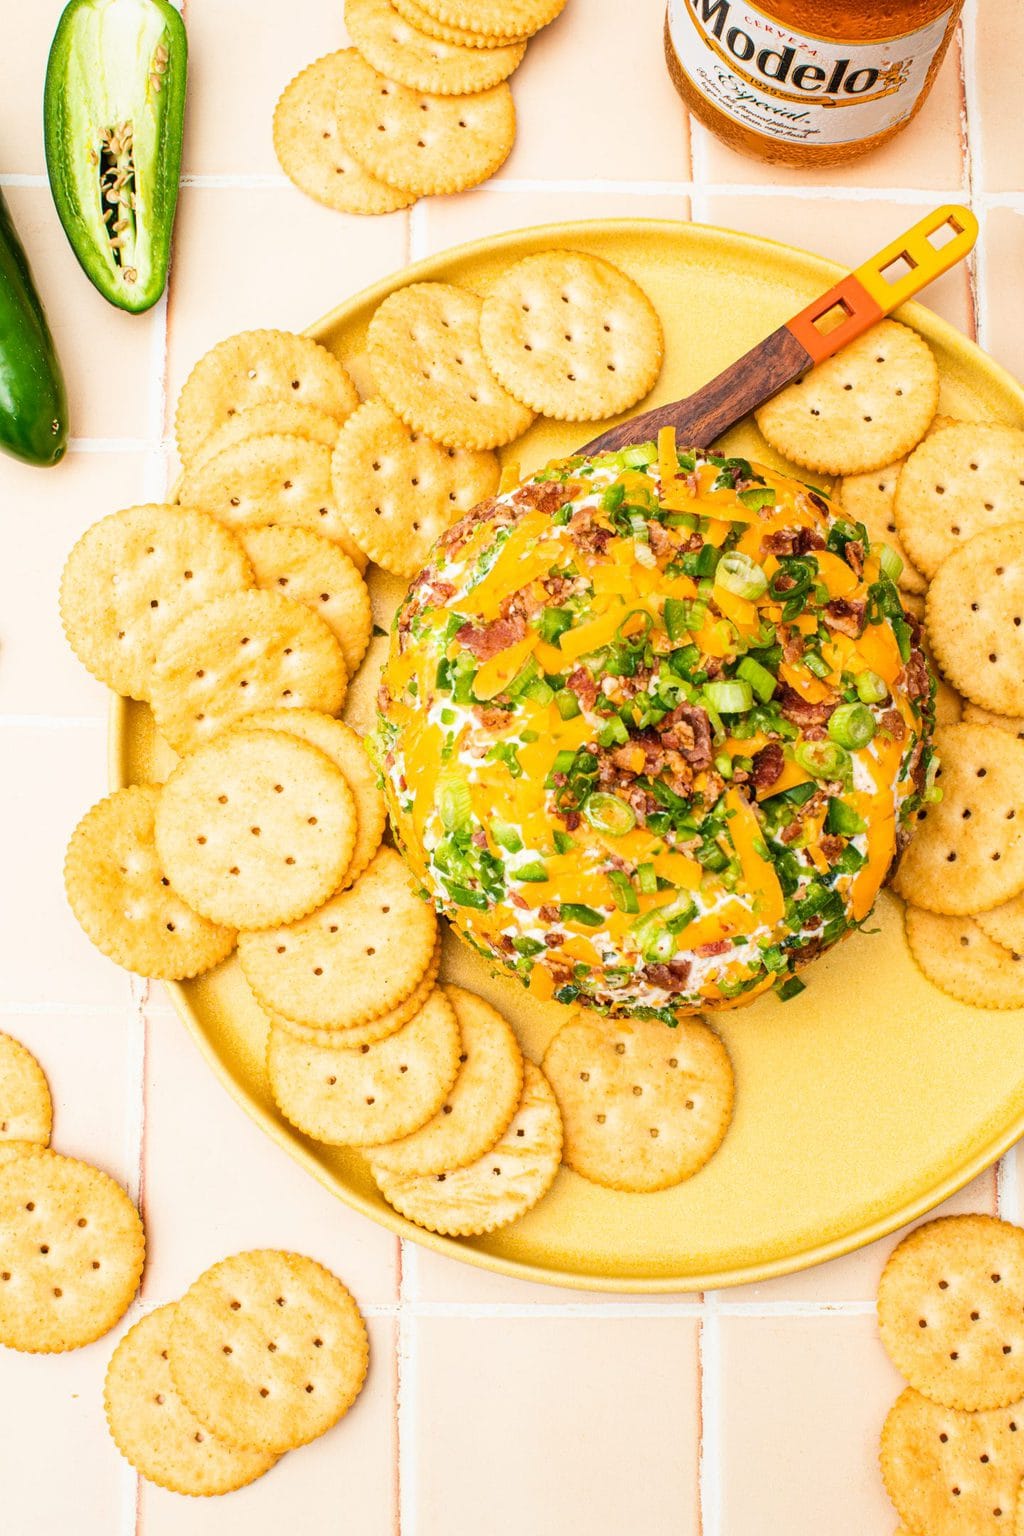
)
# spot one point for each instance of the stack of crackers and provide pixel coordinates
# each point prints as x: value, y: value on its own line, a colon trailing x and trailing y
x: 420, y: 105
x: 950, y: 1305
x: 265, y: 1352
x: 948, y: 498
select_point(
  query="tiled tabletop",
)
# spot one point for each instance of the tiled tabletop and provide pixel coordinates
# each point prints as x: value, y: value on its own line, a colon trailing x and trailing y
x: 493, y: 1408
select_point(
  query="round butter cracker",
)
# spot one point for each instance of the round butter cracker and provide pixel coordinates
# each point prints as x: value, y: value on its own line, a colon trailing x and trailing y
x: 71, y: 1253
x: 370, y: 1030
x: 397, y: 491
x: 859, y: 410
x: 975, y: 618
x: 959, y: 482
x: 272, y: 418
x: 132, y: 576
x: 571, y: 335
x: 245, y: 652
x: 122, y: 898
x: 644, y: 1107
x: 253, y: 367
x: 361, y: 954
x: 346, y: 748
x: 255, y: 828
x: 425, y: 352
x: 26, y: 1109
x: 311, y: 150
x: 422, y: 142
x: 272, y: 479
x: 959, y: 957
x: 952, y: 1473
x: 317, y: 572
x: 268, y: 1350
x: 517, y: 18
x: 373, y: 1092
x: 967, y: 851
x: 154, y: 1430
x: 391, y: 44
x: 462, y: 37
x: 951, y: 1311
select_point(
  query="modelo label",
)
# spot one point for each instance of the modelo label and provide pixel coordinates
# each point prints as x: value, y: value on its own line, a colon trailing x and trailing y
x: 786, y: 85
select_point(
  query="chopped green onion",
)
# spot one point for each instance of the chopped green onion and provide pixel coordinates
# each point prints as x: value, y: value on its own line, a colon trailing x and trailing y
x: 653, y: 938
x: 729, y: 698
x: 638, y: 457
x: 680, y: 914
x: 759, y: 678
x: 843, y: 820
x: 613, y: 497
x: 723, y: 765
x: 562, y: 764
x: 526, y: 674
x: 534, y: 872
x: 525, y: 946
x: 852, y: 725
x: 539, y: 691
x: 567, y: 704
x: 816, y: 664
x: 889, y: 560
x: 901, y: 629
x: 871, y: 689
x: 553, y: 623
x: 607, y: 813
x: 756, y: 498
x: 676, y: 613
x: 454, y: 804
x: 506, y: 836
x: 823, y: 759
x: 741, y: 576
x: 641, y: 634
x: 575, y: 912
x: 622, y: 890
x: 614, y: 734
x: 562, y: 841
x: 647, y: 879
x: 701, y: 562
x: 464, y: 898
x: 791, y: 987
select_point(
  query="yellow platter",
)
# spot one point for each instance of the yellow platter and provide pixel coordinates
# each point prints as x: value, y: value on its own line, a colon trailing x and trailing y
x: 861, y: 1103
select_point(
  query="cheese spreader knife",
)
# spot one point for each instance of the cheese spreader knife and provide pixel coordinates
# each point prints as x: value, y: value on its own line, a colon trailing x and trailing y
x: 856, y: 303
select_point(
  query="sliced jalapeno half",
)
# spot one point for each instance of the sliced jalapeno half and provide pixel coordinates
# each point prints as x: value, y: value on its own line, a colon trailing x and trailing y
x: 114, y: 107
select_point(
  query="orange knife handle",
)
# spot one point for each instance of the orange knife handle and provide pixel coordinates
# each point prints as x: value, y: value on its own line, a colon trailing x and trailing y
x: 877, y: 287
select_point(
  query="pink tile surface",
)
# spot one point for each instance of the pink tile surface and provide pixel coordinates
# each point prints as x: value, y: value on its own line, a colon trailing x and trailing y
x: 493, y: 1407
x: 518, y: 1425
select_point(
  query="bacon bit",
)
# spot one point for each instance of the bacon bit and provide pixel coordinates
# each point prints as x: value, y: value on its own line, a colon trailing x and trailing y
x: 914, y: 676
x: 855, y: 556
x: 583, y: 686
x: 548, y: 913
x: 846, y: 615
x: 802, y: 712
x: 552, y: 940
x: 832, y: 847
x: 768, y: 765
x: 518, y: 901
x: 671, y: 978
x: 589, y: 537
x: 791, y: 541
x: 479, y: 838
x: 893, y: 723
x: 487, y: 640
x: 687, y: 730
x: 492, y: 719
x: 793, y: 646
x: 716, y: 947
x: 546, y: 497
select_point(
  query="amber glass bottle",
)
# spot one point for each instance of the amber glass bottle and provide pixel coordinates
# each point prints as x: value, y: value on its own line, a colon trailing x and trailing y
x: 806, y: 82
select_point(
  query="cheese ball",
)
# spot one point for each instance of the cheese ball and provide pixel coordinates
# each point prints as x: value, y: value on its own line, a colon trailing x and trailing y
x: 653, y: 728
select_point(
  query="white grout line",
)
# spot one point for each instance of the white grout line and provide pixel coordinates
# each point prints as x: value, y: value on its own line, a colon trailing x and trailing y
x: 710, y: 1464
x: 720, y: 1303
x: 1008, y: 1191
x: 408, y: 1376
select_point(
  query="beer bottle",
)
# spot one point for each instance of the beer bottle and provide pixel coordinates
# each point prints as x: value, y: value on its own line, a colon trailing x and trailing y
x: 806, y: 82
